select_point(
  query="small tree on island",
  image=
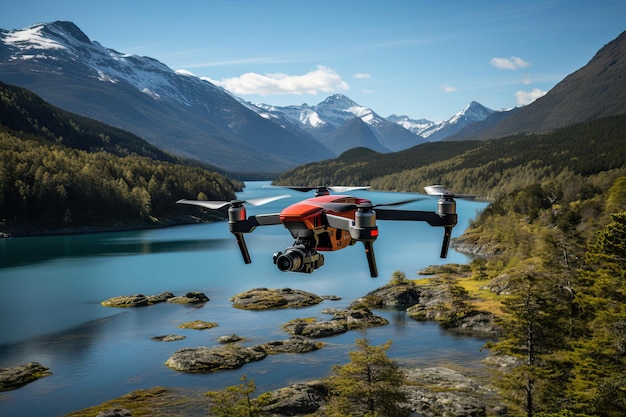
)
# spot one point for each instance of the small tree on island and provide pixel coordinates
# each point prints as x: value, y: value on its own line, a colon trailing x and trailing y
x: 236, y: 400
x: 398, y: 278
x: 370, y: 385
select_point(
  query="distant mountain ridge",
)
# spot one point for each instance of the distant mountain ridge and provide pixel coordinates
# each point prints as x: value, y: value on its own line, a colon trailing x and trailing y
x: 333, y: 123
x: 175, y: 111
x: 185, y: 115
x: 594, y: 91
x: 435, y: 131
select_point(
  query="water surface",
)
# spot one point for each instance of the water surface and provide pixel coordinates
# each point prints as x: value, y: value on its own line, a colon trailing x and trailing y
x: 51, y: 289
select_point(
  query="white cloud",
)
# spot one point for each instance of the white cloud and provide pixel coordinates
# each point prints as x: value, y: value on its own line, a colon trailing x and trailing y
x: 527, y: 97
x: 527, y: 81
x: 448, y: 88
x: 322, y: 79
x: 511, y: 63
x: 362, y: 75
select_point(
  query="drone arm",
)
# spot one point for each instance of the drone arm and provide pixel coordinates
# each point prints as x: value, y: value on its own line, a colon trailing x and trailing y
x: 446, y: 220
x: 430, y: 217
x: 248, y: 225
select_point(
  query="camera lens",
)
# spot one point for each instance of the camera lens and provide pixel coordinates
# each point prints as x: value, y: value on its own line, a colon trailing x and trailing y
x: 290, y: 261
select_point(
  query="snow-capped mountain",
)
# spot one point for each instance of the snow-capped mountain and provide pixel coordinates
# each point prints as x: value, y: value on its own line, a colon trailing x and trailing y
x: 436, y: 131
x: 175, y: 111
x: 336, y: 115
x: 415, y: 126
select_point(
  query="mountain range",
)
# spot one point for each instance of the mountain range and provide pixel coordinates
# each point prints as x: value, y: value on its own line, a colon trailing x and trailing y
x: 193, y: 118
x: 177, y: 112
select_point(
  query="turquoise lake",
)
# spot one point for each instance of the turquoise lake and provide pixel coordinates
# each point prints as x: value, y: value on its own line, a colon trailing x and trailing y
x: 51, y: 289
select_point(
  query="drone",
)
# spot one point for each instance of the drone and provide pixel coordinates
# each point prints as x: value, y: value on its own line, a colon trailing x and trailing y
x: 331, y: 222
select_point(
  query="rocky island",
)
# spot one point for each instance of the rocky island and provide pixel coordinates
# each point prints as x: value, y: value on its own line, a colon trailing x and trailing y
x: 18, y: 376
x: 265, y: 299
x: 234, y: 355
x: 140, y: 300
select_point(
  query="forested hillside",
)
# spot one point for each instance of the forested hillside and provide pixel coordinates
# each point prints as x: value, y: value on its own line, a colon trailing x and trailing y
x: 552, y: 248
x: 489, y: 168
x: 59, y: 170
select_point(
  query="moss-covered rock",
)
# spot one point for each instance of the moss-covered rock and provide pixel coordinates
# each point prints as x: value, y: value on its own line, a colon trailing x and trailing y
x: 198, y: 325
x: 18, y: 376
x: 356, y: 317
x: 266, y: 299
x: 210, y: 359
x: 193, y: 297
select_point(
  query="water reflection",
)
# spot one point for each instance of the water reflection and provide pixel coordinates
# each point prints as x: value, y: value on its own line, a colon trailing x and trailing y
x: 25, y: 251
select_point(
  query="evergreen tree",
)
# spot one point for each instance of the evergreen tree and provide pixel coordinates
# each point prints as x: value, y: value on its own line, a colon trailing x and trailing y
x: 235, y: 400
x: 600, y: 356
x: 369, y: 385
x: 534, y: 329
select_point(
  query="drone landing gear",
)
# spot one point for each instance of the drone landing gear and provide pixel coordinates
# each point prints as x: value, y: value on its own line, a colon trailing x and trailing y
x: 371, y: 259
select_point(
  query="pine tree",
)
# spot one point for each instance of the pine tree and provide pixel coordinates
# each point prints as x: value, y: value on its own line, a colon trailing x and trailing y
x: 369, y: 385
x: 535, y: 328
x: 235, y: 400
x: 600, y: 356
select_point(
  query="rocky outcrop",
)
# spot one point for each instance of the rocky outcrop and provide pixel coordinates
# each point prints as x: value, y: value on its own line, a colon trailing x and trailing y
x: 265, y: 299
x: 474, y: 244
x: 168, y: 338
x: 193, y: 297
x: 209, y: 359
x: 310, y: 327
x: 198, y: 325
x: 137, y: 300
x: 436, y: 303
x: 294, y: 344
x: 431, y: 392
x: 445, y: 392
x: 356, y: 317
x: 140, y: 300
x: 231, y: 338
x: 16, y: 377
x: 297, y: 399
x: 233, y: 355
x: 398, y: 296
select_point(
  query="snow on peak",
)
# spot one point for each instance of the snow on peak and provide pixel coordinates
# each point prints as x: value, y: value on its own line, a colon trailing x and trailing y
x: 31, y: 38
x: 64, y: 40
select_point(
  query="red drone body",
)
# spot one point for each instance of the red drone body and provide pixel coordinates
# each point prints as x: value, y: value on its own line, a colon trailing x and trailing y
x: 311, y: 214
x: 329, y: 223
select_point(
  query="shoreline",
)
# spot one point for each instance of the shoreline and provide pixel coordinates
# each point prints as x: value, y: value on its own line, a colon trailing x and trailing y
x: 16, y: 232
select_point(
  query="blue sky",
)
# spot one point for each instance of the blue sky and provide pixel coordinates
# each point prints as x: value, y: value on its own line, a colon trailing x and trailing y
x: 425, y: 59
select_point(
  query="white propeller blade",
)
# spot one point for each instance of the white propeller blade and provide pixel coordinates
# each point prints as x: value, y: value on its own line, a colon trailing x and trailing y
x: 213, y: 205
x: 345, y: 189
x: 440, y: 190
x: 216, y: 205
x: 265, y: 200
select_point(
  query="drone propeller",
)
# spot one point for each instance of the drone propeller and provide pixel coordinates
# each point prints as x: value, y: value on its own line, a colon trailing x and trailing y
x: 323, y: 189
x: 216, y: 205
x: 441, y: 191
x: 345, y: 207
x: 237, y: 220
x: 447, y: 206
